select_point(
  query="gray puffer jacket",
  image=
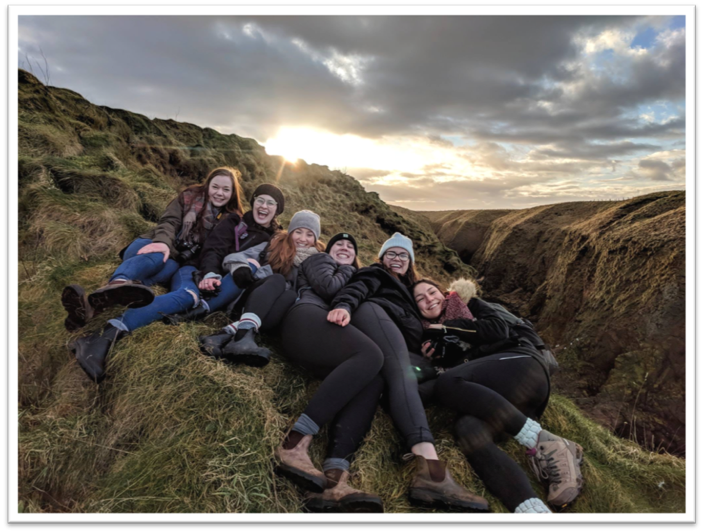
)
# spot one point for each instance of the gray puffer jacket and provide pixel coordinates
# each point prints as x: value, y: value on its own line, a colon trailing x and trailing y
x: 320, y: 278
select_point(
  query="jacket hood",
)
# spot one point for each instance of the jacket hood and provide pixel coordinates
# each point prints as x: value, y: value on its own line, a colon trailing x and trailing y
x: 465, y: 288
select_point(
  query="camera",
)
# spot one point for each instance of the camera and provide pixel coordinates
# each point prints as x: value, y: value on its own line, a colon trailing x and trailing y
x: 186, y: 250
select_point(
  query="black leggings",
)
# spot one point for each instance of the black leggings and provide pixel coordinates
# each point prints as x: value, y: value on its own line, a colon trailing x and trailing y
x: 348, y: 362
x: 494, y: 395
x: 404, y: 403
x: 270, y: 300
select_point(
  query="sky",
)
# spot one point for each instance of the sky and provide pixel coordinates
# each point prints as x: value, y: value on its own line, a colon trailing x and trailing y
x: 433, y: 113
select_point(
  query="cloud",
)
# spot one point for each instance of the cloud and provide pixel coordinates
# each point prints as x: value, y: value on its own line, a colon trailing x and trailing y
x: 532, y: 99
x: 364, y: 174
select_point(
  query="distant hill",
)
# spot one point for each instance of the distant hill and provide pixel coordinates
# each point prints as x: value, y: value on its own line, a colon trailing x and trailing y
x: 170, y: 430
x: 605, y: 281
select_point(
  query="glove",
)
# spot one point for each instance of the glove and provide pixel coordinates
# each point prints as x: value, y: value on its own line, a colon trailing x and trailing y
x: 243, y: 277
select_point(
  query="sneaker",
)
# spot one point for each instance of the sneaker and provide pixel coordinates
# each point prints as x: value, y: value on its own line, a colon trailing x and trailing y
x: 557, y: 463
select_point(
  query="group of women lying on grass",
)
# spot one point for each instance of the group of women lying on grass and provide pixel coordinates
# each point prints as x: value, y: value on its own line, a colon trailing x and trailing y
x: 375, y: 334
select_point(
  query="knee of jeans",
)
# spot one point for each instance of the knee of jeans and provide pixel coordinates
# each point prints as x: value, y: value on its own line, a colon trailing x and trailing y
x: 195, y: 296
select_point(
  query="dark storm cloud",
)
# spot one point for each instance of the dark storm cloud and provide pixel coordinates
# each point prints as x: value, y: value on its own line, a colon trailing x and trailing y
x: 517, y: 91
x: 417, y: 73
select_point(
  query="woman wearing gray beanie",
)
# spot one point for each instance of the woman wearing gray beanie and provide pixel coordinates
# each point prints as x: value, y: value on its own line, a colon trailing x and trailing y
x: 269, y: 297
x: 383, y: 308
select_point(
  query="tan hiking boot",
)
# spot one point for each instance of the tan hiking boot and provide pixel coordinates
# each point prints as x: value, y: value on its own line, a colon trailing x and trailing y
x: 296, y: 465
x: 446, y: 493
x: 130, y: 293
x: 340, y: 497
x: 557, y: 463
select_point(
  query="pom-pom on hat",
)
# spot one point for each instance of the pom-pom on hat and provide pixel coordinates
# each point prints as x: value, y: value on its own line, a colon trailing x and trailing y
x: 398, y: 240
x: 342, y: 236
x: 305, y: 219
x: 274, y: 192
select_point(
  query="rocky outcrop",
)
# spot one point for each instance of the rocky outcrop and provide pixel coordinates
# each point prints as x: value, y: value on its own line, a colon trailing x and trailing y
x: 605, y: 282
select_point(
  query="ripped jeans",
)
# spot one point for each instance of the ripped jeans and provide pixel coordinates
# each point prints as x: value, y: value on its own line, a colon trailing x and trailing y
x: 183, y: 296
x: 148, y: 268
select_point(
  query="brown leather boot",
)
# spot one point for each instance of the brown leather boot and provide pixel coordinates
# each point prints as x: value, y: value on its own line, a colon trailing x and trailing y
x: 339, y: 497
x: 296, y: 465
x: 445, y: 493
x: 130, y: 293
x: 79, y: 310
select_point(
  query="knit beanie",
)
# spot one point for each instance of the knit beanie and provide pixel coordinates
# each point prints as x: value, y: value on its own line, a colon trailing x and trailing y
x: 398, y: 240
x: 305, y: 219
x: 274, y: 192
x: 341, y: 236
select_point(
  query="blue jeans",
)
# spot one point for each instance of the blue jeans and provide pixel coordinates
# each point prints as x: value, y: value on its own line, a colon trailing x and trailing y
x: 182, y: 297
x: 148, y: 268
x: 228, y: 292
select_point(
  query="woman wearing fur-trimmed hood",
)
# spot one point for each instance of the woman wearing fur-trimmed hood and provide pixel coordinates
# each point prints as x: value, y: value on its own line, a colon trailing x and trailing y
x: 497, y: 384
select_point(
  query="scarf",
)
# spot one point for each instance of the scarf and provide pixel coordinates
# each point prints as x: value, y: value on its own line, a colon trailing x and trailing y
x: 303, y: 254
x: 193, y: 203
x: 453, y: 307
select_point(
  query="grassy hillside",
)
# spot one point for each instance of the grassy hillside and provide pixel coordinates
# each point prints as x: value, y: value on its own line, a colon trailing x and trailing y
x: 171, y: 430
x: 606, y: 282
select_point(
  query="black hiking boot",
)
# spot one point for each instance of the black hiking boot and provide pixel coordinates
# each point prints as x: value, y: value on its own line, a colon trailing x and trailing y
x: 76, y: 304
x: 91, y: 351
x: 130, y: 293
x: 196, y: 314
x: 243, y: 349
x: 212, y: 345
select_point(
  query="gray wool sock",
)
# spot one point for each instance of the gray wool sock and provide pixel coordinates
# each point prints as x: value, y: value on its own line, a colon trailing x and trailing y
x: 529, y: 434
x: 532, y: 505
x: 331, y: 463
x: 306, y: 426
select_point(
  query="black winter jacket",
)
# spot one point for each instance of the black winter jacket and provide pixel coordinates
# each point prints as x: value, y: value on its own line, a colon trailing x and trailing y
x: 375, y: 284
x: 462, y: 340
x: 320, y: 279
x: 232, y: 236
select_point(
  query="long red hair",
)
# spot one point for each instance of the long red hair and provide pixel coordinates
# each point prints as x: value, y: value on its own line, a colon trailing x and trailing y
x: 282, y: 251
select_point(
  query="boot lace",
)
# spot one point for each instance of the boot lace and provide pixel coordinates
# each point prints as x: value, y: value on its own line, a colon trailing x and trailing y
x: 546, y: 467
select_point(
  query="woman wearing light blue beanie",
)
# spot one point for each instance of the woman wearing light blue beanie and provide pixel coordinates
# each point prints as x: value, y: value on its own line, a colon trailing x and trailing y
x: 380, y: 299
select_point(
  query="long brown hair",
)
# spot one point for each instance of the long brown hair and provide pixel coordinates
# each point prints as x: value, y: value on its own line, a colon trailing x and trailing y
x: 282, y: 251
x: 203, y: 190
x: 233, y: 206
x: 409, y: 279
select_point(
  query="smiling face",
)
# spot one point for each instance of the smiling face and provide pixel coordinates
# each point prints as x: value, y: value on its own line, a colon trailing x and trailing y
x: 429, y: 300
x: 303, y: 238
x: 396, y: 260
x: 343, y: 252
x: 264, y: 210
x: 220, y: 190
